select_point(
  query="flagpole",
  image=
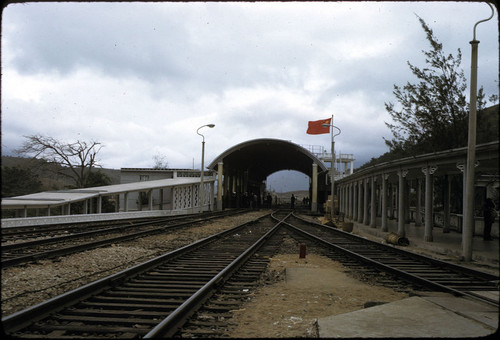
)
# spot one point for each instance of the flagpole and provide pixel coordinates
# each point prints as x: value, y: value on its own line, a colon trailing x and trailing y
x: 332, y: 212
x: 332, y: 165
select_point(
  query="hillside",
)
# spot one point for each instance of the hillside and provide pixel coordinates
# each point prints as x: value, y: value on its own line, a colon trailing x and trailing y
x: 47, y: 173
x: 285, y: 196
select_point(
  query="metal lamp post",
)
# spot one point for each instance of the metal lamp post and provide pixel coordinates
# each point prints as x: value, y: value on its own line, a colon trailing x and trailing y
x: 202, y: 163
x: 471, y: 152
x: 332, y: 168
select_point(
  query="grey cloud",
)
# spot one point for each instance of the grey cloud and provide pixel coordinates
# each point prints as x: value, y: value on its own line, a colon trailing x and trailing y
x: 190, y: 58
x: 109, y: 37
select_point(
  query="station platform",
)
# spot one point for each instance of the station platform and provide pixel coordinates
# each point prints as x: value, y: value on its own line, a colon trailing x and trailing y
x: 445, y: 246
x: 439, y: 315
x: 434, y: 314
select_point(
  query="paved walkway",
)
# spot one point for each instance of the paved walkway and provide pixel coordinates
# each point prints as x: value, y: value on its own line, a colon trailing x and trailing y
x: 442, y: 316
x: 446, y: 246
x: 433, y: 315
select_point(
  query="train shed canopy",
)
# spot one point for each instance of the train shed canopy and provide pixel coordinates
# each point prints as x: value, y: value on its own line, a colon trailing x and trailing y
x: 263, y: 157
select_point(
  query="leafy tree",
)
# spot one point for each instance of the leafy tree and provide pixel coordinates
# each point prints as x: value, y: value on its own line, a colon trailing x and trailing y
x: 17, y: 182
x: 487, y: 125
x: 432, y: 114
x: 77, y: 159
x: 493, y: 98
x: 97, y: 178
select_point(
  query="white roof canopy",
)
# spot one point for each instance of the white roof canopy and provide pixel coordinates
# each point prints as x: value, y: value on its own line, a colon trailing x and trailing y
x: 61, y: 197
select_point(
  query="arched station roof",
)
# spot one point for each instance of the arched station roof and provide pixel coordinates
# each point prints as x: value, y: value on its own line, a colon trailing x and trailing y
x: 262, y: 157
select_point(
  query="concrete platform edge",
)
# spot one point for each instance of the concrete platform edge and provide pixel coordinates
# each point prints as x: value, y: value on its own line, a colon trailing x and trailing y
x: 412, y: 317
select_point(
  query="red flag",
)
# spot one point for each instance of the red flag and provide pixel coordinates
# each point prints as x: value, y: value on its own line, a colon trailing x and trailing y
x: 316, y: 127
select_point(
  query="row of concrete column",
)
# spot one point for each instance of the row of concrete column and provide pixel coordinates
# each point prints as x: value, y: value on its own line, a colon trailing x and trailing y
x: 358, y: 200
x: 88, y: 207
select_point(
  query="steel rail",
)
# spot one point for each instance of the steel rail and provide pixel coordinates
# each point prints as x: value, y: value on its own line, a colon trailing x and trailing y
x: 9, y: 262
x: 57, y: 228
x: 74, y: 236
x: 28, y: 316
x: 51, y: 229
x: 215, y: 316
x: 176, y: 319
x: 406, y: 253
x: 390, y: 269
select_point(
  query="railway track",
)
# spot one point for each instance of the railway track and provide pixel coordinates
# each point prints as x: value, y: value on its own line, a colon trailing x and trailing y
x: 76, y: 240
x: 28, y: 233
x: 148, y: 300
x: 190, y: 292
x: 214, y: 318
x: 413, y: 268
x: 35, y: 232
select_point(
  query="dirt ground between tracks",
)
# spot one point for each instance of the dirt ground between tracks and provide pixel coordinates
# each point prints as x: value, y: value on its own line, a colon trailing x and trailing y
x: 290, y: 306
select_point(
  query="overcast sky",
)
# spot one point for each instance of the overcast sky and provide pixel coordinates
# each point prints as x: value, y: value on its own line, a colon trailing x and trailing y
x: 142, y: 77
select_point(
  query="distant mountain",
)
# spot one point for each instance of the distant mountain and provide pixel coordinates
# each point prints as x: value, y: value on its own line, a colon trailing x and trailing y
x: 287, y: 181
x: 285, y: 196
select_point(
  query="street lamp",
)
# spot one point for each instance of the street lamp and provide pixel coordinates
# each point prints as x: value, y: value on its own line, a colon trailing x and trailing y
x: 202, y: 163
x: 332, y: 167
x: 469, y: 170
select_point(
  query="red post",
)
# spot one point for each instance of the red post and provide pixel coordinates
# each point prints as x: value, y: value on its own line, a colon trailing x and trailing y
x: 302, y: 254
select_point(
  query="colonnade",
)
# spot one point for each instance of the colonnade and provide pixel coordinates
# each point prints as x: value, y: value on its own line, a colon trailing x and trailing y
x: 375, y: 198
x: 375, y: 194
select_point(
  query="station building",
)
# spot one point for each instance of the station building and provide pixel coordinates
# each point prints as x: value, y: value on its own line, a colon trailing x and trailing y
x: 163, y: 198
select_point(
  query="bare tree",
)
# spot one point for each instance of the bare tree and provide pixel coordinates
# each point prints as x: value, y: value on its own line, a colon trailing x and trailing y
x: 79, y: 157
x: 160, y: 161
